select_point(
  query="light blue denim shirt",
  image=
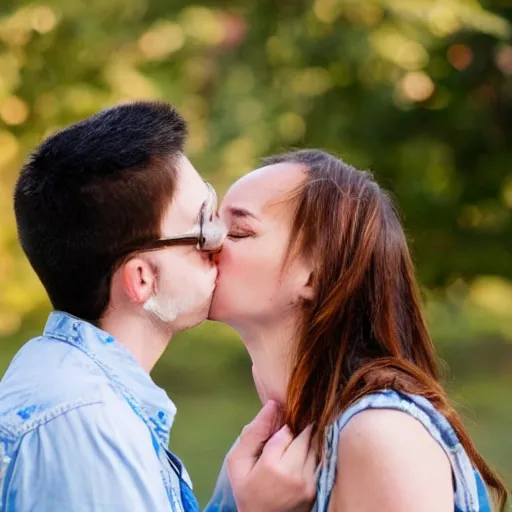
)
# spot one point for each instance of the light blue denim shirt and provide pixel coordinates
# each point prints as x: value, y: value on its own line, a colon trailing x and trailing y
x: 84, y: 428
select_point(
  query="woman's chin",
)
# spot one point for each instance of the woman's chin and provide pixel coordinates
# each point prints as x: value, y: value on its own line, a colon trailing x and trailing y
x: 212, y: 316
x: 216, y: 309
x: 225, y: 310
x: 221, y: 311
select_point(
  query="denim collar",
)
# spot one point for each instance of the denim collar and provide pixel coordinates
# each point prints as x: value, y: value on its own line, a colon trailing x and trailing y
x: 124, y: 372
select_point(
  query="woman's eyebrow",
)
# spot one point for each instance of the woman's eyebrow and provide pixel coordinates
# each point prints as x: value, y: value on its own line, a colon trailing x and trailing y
x: 241, y: 213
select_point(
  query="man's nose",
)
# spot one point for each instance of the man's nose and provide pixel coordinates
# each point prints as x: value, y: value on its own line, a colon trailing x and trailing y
x: 214, y: 234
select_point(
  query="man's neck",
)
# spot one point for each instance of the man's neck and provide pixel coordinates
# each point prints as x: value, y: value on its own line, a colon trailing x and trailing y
x: 146, y: 340
x: 270, y: 349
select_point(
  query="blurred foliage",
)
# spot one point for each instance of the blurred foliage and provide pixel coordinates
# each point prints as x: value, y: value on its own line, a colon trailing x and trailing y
x: 419, y: 91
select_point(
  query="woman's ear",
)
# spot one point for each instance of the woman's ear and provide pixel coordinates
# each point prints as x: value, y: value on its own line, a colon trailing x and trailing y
x: 304, y: 282
x: 308, y: 291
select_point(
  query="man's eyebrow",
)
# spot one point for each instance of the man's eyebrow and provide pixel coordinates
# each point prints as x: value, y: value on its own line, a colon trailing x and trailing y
x: 241, y: 213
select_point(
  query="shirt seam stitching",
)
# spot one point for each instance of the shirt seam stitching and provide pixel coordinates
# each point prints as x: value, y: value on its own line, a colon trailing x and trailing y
x: 44, y: 420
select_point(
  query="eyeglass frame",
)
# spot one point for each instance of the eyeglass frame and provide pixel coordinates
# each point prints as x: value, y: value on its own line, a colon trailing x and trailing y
x: 190, y: 238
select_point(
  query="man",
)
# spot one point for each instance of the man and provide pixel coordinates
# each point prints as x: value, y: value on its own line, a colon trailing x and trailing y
x: 119, y: 227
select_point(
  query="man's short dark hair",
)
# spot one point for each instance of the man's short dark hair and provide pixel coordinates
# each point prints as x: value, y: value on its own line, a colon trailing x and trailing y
x: 90, y: 191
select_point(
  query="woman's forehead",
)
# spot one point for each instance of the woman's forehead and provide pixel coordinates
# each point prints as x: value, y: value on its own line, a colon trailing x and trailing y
x: 265, y: 186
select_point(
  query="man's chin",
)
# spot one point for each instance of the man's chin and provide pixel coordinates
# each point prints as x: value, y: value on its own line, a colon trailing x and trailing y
x: 190, y: 319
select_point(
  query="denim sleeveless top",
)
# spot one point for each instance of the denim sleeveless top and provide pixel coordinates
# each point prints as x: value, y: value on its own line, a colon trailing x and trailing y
x: 470, y: 493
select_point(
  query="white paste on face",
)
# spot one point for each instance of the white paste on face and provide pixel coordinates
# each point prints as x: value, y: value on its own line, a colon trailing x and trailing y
x: 168, y: 310
x: 165, y: 310
x: 215, y: 233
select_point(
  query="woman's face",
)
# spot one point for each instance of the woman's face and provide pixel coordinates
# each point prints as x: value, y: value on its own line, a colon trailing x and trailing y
x: 252, y: 289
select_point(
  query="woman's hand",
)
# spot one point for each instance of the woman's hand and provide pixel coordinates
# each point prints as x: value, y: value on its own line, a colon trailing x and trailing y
x: 269, y: 471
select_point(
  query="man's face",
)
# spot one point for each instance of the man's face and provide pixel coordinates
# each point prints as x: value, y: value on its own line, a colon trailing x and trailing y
x: 185, y: 276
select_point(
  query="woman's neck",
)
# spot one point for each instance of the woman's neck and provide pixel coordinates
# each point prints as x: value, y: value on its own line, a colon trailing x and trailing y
x: 270, y: 349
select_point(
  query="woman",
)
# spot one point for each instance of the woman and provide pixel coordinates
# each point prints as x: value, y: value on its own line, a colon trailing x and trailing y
x: 317, y: 279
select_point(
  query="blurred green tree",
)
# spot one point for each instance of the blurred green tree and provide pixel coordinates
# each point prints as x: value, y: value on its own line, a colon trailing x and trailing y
x: 417, y: 90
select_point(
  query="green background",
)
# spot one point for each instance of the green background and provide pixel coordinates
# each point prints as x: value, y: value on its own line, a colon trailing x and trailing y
x: 418, y: 91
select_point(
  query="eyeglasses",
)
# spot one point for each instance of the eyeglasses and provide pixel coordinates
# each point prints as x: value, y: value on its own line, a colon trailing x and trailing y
x: 208, y: 235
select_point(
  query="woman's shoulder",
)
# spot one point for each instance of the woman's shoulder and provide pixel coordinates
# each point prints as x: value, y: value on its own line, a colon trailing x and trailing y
x: 384, y: 448
x: 414, y: 406
x: 403, y: 436
x: 392, y: 426
x: 392, y: 435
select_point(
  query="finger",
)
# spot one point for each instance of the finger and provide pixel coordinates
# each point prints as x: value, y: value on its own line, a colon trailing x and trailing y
x: 277, y: 445
x: 311, y: 473
x: 297, y: 452
x: 266, y: 423
x: 253, y: 438
x: 311, y: 467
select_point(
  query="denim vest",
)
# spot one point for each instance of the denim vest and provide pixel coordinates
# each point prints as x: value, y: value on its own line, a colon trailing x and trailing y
x: 470, y: 494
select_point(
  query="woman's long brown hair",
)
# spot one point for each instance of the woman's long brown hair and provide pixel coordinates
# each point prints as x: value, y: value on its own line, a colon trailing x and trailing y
x: 364, y: 330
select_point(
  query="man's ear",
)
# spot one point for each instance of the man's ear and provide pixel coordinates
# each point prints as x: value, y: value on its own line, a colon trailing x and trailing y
x: 139, y: 279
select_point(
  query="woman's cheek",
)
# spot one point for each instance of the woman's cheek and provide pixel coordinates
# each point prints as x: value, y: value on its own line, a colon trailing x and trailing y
x: 230, y: 267
x: 236, y: 255
x: 223, y: 257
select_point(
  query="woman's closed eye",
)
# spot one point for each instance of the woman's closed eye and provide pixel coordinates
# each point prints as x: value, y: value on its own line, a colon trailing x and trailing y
x: 237, y: 234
